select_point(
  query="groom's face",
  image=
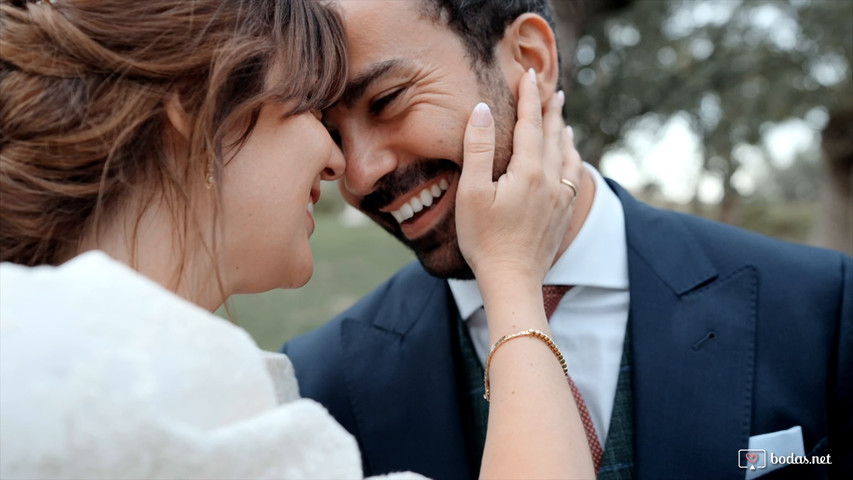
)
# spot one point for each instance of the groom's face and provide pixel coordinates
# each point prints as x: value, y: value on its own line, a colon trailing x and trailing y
x: 410, y: 91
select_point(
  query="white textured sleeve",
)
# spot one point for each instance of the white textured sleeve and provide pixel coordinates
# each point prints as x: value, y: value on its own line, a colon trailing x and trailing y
x: 399, y: 476
x: 282, y: 375
x: 103, y: 374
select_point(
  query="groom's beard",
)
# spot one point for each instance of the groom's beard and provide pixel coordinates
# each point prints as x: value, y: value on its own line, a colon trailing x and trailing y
x: 438, y: 250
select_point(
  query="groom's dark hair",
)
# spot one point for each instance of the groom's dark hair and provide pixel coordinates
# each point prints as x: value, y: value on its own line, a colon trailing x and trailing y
x: 481, y: 23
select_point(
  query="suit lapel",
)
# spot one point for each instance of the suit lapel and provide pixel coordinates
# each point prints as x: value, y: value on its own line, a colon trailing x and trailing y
x: 404, y: 399
x: 693, y: 336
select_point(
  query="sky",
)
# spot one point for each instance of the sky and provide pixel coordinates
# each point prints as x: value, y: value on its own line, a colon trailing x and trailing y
x: 672, y: 156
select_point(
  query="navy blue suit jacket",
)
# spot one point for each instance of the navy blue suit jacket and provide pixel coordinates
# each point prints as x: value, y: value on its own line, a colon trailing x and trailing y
x: 734, y: 334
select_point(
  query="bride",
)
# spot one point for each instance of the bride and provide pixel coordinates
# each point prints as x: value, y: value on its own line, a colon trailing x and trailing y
x: 157, y: 157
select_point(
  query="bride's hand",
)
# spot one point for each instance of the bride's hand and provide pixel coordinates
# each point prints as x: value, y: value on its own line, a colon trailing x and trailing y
x: 510, y: 232
x: 515, y: 225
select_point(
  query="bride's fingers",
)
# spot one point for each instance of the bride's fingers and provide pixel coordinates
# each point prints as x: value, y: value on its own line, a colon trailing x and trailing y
x: 478, y: 155
x: 572, y: 166
x: 554, y: 139
x: 527, y: 136
x: 572, y: 162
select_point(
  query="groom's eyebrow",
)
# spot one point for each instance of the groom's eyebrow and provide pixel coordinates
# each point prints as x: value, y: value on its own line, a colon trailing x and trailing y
x: 356, y: 87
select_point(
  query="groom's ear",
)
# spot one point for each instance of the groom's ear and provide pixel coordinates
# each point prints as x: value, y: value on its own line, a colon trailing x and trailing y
x: 529, y: 42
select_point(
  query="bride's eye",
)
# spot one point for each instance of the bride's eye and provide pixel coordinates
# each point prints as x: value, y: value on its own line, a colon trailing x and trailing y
x: 377, y: 106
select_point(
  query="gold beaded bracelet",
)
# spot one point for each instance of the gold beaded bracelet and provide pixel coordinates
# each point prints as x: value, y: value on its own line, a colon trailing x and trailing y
x: 524, y: 333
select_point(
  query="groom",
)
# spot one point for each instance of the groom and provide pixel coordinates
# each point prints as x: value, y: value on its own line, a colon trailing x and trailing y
x: 689, y: 341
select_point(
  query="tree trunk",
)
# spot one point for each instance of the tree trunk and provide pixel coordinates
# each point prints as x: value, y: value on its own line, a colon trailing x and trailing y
x: 729, y: 208
x: 834, y: 226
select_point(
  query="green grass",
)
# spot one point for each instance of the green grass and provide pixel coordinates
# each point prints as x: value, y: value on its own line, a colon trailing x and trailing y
x: 348, y: 263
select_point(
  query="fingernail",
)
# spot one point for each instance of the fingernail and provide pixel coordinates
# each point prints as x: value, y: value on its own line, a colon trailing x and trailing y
x: 482, y: 116
x: 561, y: 96
x: 532, y: 74
x: 571, y: 132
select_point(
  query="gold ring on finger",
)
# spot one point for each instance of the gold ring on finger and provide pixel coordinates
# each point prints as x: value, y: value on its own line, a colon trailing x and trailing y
x: 571, y: 185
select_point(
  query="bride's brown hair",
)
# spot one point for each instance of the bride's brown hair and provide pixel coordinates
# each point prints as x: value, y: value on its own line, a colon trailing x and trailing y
x: 84, y: 86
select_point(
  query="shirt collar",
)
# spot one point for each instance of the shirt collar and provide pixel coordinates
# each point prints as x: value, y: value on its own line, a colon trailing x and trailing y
x: 597, y: 257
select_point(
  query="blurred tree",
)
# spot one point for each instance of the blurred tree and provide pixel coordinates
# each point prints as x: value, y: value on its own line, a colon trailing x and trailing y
x: 835, y: 226
x: 732, y: 70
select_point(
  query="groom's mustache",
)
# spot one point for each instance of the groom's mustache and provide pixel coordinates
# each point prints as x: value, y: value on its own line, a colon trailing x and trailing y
x: 400, y: 181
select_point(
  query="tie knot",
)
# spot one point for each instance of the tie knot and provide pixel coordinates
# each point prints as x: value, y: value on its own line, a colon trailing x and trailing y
x: 552, y: 294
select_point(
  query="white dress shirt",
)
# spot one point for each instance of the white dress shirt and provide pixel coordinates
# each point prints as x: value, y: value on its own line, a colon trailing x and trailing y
x: 589, y: 323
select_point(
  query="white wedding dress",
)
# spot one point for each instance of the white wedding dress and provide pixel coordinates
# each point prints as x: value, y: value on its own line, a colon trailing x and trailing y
x: 105, y: 374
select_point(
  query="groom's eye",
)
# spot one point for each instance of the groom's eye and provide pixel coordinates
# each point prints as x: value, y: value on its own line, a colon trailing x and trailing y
x: 377, y: 106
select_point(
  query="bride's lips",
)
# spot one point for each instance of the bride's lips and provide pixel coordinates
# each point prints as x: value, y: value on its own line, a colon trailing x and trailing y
x: 420, y: 209
x: 313, y: 198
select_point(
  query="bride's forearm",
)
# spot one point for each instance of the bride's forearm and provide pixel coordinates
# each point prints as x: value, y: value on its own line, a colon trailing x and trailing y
x: 534, y: 430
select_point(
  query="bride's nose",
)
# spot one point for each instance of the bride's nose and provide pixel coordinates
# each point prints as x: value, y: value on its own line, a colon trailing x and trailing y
x: 336, y: 166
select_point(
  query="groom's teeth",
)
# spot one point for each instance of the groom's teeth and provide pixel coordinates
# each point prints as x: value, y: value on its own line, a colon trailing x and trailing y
x: 406, y: 212
x: 425, y: 199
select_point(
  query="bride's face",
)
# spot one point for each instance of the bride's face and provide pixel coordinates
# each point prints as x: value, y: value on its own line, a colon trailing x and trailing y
x: 269, y: 189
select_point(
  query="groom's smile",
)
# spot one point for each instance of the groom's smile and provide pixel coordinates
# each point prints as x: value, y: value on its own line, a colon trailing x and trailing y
x: 421, y: 208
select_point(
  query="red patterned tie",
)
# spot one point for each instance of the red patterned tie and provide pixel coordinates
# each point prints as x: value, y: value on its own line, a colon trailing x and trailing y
x: 552, y: 295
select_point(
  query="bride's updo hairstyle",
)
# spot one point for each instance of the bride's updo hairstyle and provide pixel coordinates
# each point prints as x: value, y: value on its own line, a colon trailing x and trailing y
x: 84, y: 85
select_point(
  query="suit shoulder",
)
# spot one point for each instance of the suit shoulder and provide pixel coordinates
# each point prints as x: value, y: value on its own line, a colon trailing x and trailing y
x: 389, y: 295
x: 739, y: 242
x: 325, y: 341
x: 787, y: 265
x: 652, y: 230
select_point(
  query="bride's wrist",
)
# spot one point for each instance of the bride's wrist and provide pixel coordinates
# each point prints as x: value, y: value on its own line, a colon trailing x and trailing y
x: 513, y: 305
x: 505, y: 285
x: 518, y: 273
